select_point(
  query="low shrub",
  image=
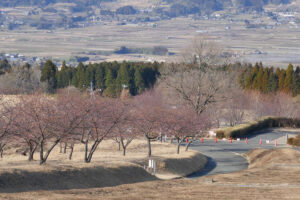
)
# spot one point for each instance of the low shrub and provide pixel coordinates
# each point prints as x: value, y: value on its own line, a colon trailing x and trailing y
x: 294, y: 141
x: 291, y: 141
x: 220, y: 134
x: 246, y: 129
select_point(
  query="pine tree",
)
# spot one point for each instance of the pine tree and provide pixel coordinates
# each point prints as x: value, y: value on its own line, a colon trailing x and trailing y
x: 265, y: 80
x: 4, y: 66
x: 277, y: 73
x: 251, y: 76
x: 287, y: 86
x: 296, y: 82
x: 272, y: 82
x: 281, y: 80
x: 110, y: 83
x: 123, y: 78
x: 90, y: 75
x: 257, y: 84
x: 80, y: 76
x: 49, y: 73
x: 138, y: 81
x: 63, y: 76
x: 100, y: 77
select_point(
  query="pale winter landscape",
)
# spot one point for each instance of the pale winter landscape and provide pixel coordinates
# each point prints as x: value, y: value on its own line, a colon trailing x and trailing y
x: 152, y: 99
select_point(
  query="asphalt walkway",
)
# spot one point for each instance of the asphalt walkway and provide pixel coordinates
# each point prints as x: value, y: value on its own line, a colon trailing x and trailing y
x: 225, y: 157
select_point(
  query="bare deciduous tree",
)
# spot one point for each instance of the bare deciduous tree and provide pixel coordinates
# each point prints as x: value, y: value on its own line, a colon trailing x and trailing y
x: 149, y: 112
x: 205, y: 52
x: 7, y: 117
x: 125, y: 132
x: 99, y: 124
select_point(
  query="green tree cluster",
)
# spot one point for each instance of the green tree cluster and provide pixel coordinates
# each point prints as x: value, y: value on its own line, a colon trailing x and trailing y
x: 110, y: 77
x: 265, y: 80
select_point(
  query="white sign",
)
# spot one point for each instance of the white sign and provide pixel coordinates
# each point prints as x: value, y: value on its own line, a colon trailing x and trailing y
x: 268, y: 141
x: 212, y: 133
x: 150, y: 163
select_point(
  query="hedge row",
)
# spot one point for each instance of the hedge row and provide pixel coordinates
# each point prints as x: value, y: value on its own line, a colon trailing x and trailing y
x: 246, y: 129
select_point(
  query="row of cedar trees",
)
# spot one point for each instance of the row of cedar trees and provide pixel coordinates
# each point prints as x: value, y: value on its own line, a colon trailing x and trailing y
x: 37, y: 123
x: 110, y: 77
x: 268, y: 80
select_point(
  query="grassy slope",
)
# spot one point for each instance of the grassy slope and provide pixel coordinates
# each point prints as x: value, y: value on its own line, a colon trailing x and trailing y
x: 108, y: 167
x: 277, y: 179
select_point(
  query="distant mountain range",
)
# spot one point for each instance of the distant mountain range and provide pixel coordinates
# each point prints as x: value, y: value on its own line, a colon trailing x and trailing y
x: 182, y: 7
x: 175, y: 7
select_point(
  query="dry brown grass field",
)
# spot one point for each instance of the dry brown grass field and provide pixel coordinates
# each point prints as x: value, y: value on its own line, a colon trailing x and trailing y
x: 107, y: 155
x: 272, y: 174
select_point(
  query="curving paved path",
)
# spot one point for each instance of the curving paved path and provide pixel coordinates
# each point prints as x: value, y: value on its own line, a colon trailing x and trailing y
x: 225, y: 157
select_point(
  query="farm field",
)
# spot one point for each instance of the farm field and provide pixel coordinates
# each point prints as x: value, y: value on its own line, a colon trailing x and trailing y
x: 277, y: 46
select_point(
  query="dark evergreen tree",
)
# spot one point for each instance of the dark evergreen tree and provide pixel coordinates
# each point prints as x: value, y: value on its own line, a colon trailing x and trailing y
x: 4, y: 66
x: 100, y: 77
x: 257, y: 83
x: 287, y: 87
x: 63, y: 77
x: 281, y: 80
x: 123, y: 79
x: 49, y: 75
x: 110, y: 83
x: 272, y: 85
x: 138, y: 81
x: 265, y: 80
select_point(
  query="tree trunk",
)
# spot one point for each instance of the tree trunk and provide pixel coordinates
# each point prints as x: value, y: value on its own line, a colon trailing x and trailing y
x: 188, y: 145
x: 88, y: 157
x: 43, y: 158
x: 119, y: 143
x: 179, y: 144
x: 123, y: 146
x: 41, y: 152
x: 65, y: 148
x: 32, y: 149
x: 60, y: 147
x: 149, y: 146
x: 171, y: 140
x: 71, y: 151
x: 1, y: 150
x: 124, y: 151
